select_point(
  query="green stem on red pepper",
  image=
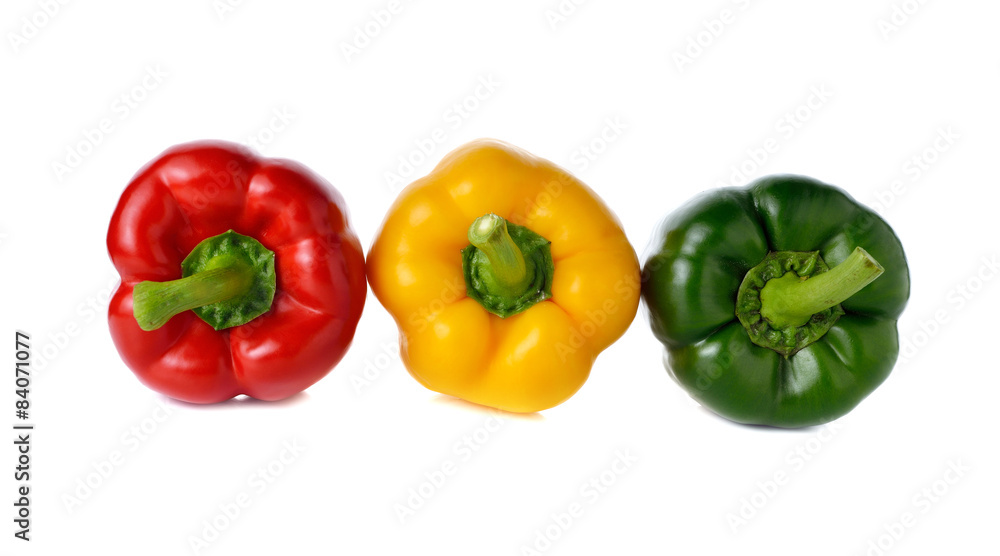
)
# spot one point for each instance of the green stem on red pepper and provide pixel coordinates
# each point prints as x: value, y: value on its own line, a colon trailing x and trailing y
x: 228, y: 280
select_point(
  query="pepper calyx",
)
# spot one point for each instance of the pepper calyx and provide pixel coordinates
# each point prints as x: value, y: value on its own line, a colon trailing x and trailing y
x: 507, y: 268
x: 227, y: 280
x: 787, y: 266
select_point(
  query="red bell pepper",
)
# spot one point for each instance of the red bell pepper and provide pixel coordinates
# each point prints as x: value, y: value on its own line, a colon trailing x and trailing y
x: 239, y: 275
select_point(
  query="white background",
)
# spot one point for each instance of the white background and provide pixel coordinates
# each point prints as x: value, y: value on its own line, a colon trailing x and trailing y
x: 226, y: 73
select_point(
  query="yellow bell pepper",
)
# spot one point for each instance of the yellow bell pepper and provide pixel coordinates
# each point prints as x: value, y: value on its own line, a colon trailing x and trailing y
x: 506, y: 275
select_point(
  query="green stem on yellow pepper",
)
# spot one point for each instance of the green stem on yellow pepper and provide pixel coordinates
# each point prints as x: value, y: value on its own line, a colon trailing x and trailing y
x: 507, y: 267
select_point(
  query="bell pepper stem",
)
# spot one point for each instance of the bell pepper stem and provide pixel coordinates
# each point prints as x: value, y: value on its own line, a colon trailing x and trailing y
x: 791, y: 301
x: 489, y: 234
x: 155, y: 303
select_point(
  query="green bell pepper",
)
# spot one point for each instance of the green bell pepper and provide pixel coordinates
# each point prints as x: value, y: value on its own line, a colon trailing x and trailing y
x: 777, y: 303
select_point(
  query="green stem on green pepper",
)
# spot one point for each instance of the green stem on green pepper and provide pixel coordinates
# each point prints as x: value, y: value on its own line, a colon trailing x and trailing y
x: 791, y: 301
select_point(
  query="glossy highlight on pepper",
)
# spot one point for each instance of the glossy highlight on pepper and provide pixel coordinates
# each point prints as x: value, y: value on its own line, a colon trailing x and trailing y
x: 506, y: 275
x: 239, y: 275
